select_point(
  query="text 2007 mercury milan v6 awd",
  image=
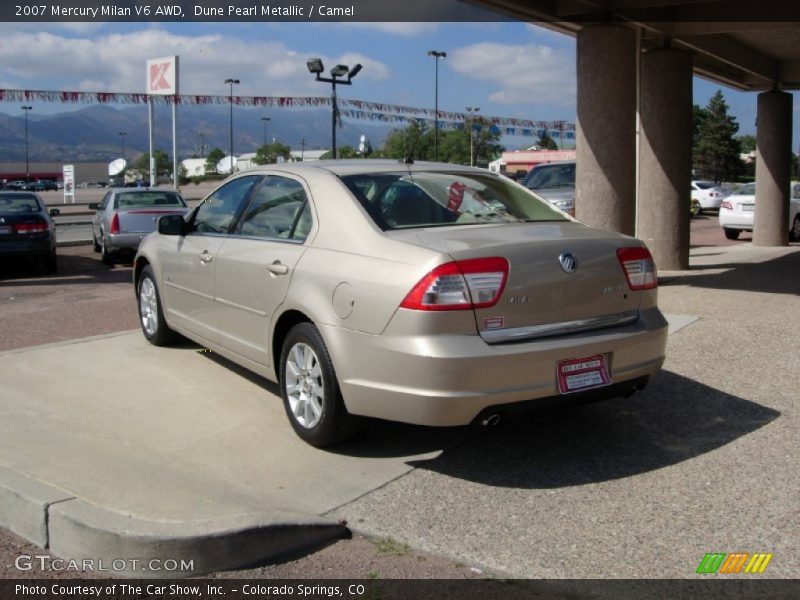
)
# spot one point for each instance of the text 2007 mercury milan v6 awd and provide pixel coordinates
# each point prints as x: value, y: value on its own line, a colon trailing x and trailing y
x: 424, y: 293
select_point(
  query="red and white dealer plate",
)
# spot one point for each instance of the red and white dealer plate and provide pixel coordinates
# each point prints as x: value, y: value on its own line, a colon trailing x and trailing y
x: 578, y: 374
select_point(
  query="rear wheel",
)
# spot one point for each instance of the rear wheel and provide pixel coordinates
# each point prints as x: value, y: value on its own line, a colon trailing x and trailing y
x: 105, y: 254
x: 151, y: 312
x: 731, y: 234
x: 310, y: 391
x: 794, y: 234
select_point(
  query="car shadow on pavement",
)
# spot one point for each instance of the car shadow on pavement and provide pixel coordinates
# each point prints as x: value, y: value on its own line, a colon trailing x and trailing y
x: 72, y: 270
x: 675, y: 419
x: 776, y: 276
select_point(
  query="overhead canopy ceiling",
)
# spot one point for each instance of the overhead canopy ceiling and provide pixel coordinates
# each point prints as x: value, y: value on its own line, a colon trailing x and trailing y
x: 747, y: 45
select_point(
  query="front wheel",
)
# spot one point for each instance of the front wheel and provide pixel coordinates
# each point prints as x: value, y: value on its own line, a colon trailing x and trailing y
x: 731, y: 234
x: 310, y: 391
x: 794, y: 234
x: 151, y: 312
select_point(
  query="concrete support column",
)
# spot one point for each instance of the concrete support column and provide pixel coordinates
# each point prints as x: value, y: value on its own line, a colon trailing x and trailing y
x: 773, y: 169
x: 605, y: 132
x: 665, y: 155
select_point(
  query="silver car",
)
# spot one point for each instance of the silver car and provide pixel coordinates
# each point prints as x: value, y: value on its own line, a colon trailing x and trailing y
x: 126, y: 215
x: 425, y: 293
x: 555, y: 182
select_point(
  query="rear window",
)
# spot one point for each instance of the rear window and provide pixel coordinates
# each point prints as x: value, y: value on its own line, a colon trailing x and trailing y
x: 406, y: 200
x: 748, y: 189
x: 704, y: 185
x: 18, y: 204
x: 551, y: 176
x: 148, y: 199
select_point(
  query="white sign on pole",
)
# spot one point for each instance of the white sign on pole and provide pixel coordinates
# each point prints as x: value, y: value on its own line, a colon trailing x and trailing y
x: 162, y: 76
x: 68, y: 176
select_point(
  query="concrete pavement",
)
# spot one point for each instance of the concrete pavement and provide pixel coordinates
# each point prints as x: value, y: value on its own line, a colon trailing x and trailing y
x: 111, y: 448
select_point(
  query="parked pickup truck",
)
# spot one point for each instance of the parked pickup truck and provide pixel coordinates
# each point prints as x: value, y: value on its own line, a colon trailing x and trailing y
x: 126, y: 215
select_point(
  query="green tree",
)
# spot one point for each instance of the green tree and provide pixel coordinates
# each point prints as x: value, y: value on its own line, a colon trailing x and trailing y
x: 269, y: 154
x: 163, y: 163
x: 214, y: 156
x: 414, y: 141
x: 546, y: 142
x: 747, y: 143
x: 346, y: 152
x: 717, y: 151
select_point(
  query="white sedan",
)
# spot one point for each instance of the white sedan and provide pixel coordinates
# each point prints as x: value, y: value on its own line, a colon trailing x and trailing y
x: 708, y: 194
x: 737, y: 210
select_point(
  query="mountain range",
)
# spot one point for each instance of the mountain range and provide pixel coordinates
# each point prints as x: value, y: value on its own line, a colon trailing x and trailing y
x: 93, y: 133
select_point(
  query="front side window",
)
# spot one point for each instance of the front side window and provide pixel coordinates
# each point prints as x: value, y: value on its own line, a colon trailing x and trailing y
x: 434, y: 199
x: 278, y: 210
x: 218, y: 211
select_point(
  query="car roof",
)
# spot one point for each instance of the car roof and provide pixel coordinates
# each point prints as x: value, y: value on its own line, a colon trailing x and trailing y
x: 134, y: 190
x: 554, y: 162
x: 362, y: 165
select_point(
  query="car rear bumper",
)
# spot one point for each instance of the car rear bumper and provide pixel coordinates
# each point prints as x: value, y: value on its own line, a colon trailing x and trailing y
x: 736, y: 220
x: 29, y: 247
x: 710, y: 203
x: 119, y: 242
x: 450, y: 380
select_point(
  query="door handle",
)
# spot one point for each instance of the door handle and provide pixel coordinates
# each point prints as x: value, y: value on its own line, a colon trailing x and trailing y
x: 278, y: 268
x: 205, y: 257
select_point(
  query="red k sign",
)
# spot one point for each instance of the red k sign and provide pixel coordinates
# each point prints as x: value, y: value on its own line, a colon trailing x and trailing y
x: 162, y: 75
x: 157, y: 79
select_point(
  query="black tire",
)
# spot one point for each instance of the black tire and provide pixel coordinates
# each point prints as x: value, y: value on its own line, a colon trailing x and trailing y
x: 51, y: 262
x: 154, y: 328
x: 95, y: 244
x: 731, y: 234
x: 794, y: 233
x: 105, y: 254
x: 334, y: 425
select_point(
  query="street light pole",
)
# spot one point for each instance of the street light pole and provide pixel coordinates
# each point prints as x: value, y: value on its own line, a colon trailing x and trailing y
x: 436, y: 54
x: 337, y: 73
x: 231, y: 83
x: 27, y: 156
x: 472, y: 110
x: 265, y: 120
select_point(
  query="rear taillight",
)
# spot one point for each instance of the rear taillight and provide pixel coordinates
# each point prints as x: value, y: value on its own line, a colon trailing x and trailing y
x: 460, y: 285
x: 639, y: 267
x: 726, y: 205
x: 115, y: 224
x: 26, y: 228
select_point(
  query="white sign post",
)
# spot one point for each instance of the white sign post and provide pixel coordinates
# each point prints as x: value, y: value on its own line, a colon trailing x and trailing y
x: 68, y: 176
x: 162, y: 80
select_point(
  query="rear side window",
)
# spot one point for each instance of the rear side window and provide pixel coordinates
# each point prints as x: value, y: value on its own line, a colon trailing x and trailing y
x: 279, y: 210
x: 406, y: 200
x: 149, y: 199
x: 18, y: 204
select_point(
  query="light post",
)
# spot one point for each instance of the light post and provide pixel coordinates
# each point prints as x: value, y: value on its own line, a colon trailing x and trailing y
x: 472, y: 110
x: 231, y: 82
x: 27, y: 156
x: 265, y: 120
x: 436, y: 54
x: 122, y: 135
x: 315, y: 67
x: 202, y: 148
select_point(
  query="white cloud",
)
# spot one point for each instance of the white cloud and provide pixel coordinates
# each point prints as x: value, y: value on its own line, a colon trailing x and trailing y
x: 402, y: 29
x: 116, y: 62
x: 531, y: 73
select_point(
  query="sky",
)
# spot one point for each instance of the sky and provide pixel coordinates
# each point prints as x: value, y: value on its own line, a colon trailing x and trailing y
x: 507, y: 69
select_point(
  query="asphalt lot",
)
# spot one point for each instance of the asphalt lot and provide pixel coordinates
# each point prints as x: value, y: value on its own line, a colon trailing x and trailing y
x: 704, y: 460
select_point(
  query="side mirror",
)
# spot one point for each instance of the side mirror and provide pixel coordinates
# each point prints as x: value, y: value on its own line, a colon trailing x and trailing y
x: 94, y: 206
x: 54, y: 212
x: 171, y: 225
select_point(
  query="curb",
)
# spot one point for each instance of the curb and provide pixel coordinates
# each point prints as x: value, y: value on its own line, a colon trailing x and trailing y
x: 133, y: 547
